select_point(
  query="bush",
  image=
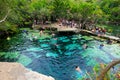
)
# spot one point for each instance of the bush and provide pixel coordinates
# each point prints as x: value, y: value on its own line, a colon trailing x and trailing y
x: 9, y: 56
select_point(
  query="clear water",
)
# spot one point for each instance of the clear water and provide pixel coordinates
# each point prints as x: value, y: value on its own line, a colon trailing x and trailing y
x: 58, y: 56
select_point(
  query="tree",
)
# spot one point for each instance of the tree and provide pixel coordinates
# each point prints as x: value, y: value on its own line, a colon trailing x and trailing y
x: 61, y: 8
x: 5, y: 17
x: 108, y: 67
x: 111, y: 8
x: 40, y: 9
x: 4, y: 10
x: 5, y: 13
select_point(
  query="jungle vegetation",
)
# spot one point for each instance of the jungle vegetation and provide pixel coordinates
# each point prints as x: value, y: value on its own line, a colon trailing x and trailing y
x: 17, y: 13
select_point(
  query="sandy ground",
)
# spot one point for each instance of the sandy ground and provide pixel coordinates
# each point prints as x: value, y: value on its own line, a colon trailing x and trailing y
x: 16, y: 71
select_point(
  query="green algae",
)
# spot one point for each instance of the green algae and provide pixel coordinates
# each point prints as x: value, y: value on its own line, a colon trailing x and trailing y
x: 72, y: 46
x: 54, y: 55
x: 87, y: 38
x: 35, y: 55
x: 44, y: 45
x: 62, y: 38
x: 67, y: 40
x: 25, y: 60
x: 34, y: 49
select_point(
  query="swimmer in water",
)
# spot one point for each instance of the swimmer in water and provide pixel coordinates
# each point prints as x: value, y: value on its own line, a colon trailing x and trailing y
x: 85, y: 46
x: 79, y: 72
x: 53, y: 34
x: 77, y: 68
x: 41, y: 33
x: 101, y: 46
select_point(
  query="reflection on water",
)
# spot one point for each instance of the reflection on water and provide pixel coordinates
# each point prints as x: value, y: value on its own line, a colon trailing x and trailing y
x: 58, y: 56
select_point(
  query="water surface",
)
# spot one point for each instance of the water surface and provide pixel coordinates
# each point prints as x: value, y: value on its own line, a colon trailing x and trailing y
x: 58, y: 56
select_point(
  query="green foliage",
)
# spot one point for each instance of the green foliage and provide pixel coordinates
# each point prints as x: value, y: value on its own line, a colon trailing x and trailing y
x: 61, y: 8
x: 96, y: 68
x: 23, y: 12
x: 99, y: 67
x: 8, y: 56
x: 111, y: 8
x: 24, y: 60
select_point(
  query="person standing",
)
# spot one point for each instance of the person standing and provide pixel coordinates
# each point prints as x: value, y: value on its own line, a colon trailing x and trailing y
x: 41, y: 32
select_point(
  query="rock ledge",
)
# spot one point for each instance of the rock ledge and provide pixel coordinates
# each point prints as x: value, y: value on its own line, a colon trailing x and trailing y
x: 16, y: 71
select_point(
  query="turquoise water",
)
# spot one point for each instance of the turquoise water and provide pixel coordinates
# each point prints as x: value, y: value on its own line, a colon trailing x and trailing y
x: 58, y: 56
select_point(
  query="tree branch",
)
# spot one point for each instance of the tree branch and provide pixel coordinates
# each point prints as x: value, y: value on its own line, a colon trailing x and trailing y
x: 5, y: 17
x: 105, y: 70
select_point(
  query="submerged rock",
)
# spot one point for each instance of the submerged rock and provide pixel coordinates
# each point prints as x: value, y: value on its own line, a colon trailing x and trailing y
x: 15, y: 71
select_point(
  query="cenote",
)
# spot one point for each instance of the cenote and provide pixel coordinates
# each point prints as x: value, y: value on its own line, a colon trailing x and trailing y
x: 58, y: 56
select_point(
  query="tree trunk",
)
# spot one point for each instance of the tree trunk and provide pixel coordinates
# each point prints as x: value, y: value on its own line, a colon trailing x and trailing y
x: 105, y: 70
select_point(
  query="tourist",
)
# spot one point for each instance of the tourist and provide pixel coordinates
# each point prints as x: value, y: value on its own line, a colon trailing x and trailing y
x: 85, y: 46
x: 109, y: 41
x: 101, y: 46
x: 101, y: 32
x: 63, y: 22
x: 41, y: 32
x: 104, y: 31
x: 77, y: 68
x: 33, y: 37
x: 97, y: 30
x: 35, y: 22
x: 93, y: 30
x: 25, y: 31
x: 80, y: 26
x: 53, y: 34
x: 56, y: 45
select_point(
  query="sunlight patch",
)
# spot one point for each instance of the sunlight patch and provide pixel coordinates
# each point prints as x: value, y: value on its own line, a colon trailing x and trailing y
x: 34, y: 49
x: 54, y: 55
x: 24, y: 60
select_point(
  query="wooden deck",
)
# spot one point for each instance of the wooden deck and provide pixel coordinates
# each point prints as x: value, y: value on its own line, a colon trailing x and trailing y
x: 64, y: 28
x: 103, y: 36
x: 69, y: 29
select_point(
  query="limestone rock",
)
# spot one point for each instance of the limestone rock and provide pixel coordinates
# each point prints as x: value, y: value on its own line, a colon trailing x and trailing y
x: 16, y: 71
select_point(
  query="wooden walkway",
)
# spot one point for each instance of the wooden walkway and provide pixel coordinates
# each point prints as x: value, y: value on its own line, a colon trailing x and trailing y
x: 69, y: 29
x: 64, y: 28
x: 103, y: 36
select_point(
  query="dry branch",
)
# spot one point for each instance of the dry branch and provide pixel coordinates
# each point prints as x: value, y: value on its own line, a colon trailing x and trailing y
x: 107, y: 68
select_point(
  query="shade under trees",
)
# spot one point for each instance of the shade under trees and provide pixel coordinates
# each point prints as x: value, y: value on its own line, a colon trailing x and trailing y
x: 24, y: 12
